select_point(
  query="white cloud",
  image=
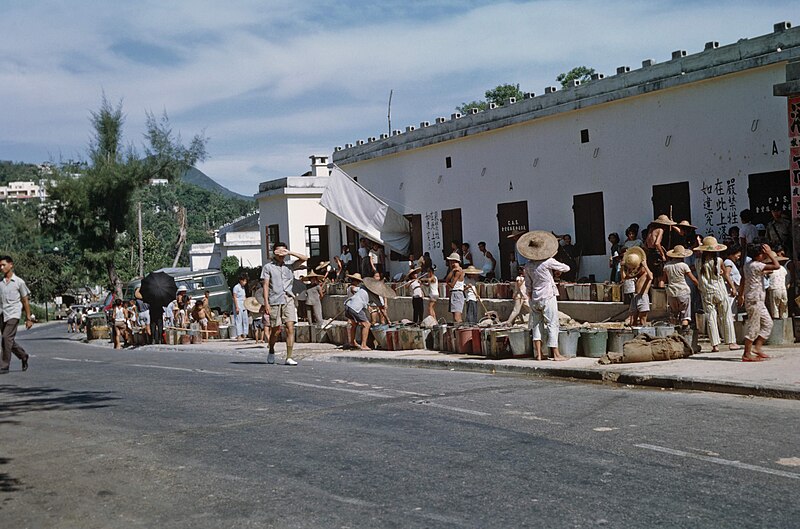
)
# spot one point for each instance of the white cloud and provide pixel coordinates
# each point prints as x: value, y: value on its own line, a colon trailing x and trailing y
x: 319, y: 82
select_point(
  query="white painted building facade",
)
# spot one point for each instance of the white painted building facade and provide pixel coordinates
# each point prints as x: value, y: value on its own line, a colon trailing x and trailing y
x: 289, y: 211
x: 20, y: 191
x: 702, y: 133
x: 240, y: 239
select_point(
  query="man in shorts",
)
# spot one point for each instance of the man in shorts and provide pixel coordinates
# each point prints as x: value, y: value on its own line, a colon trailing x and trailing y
x: 278, y: 278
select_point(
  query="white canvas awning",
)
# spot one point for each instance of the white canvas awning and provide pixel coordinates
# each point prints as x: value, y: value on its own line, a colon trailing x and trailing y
x: 354, y: 205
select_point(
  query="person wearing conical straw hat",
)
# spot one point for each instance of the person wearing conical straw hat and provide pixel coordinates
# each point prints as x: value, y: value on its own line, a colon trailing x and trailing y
x: 635, y: 270
x: 751, y: 296
x: 314, y: 295
x: 471, y: 294
x: 715, y: 286
x: 656, y: 253
x: 455, y: 280
x: 679, y: 295
x: 539, y: 247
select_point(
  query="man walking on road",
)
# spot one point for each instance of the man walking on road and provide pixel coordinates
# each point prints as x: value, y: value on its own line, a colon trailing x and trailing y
x: 278, y: 278
x: 13, y: 298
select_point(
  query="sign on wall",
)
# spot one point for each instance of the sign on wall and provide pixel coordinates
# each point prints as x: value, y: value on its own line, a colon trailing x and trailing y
x: 433, y: 231
x: 720, y: 209
x: 794, y: 155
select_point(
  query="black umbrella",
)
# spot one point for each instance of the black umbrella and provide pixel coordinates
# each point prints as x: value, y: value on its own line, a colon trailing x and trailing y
x: 158, y: 289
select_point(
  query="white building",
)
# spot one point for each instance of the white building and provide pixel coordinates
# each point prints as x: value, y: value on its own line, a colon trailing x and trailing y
x: 240, y: 239
x: 700, y: 133
x: 18, y: 191
x: 289, y: 211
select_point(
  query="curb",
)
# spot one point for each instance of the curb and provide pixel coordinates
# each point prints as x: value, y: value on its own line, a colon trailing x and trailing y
x: 606, y: 376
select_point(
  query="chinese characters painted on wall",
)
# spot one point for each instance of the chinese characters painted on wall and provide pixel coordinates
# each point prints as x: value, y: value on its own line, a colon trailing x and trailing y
x: 719, y: 206
x: 433, y: 231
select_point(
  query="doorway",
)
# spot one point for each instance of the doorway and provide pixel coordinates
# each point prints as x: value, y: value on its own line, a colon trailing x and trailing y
x: 451, y: 229
x: 672, y: 200
x: 511, y: 216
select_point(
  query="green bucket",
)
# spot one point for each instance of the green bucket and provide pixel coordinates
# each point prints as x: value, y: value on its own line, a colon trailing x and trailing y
x: 593, y: 342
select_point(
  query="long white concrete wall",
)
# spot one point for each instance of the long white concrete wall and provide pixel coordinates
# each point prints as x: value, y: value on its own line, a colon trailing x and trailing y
x: 710, y: 133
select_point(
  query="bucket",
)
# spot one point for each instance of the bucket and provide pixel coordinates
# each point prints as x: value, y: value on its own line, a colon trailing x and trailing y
x: 644, y: 329
x: 778, y: 334
x: 224, y: 331
x: 568, y: 342
x: 477, y: 345
x: 302, y: 332
x: 392, y: 339
x: 664, y: 330
x: 690, y: 335
x: 379, y: 332
x: 496, y: 343
x: 413, y: 337
x: 593, y: 342
x: 519, y: 340
x: 617, y: 338
x: 464, y: 341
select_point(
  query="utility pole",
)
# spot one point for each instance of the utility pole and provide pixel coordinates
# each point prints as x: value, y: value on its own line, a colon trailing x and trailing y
x: 141, y: 244
x: 389, y: 115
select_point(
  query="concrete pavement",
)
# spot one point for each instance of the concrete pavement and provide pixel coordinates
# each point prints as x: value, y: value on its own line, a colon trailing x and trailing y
x: 721, y: 372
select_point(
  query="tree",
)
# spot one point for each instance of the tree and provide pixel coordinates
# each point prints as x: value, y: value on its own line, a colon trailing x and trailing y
x: 579, y: 73
x: 497, y: 95
x: 96, y: 207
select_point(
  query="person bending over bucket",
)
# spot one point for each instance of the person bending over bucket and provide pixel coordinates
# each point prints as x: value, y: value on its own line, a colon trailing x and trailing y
x: 540, y: 247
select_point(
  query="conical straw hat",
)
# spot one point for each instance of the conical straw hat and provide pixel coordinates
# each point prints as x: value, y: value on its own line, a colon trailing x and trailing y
x: 378, y: 287
x: 537, y: 245
x: 710, y: 244
x: 679, y: 251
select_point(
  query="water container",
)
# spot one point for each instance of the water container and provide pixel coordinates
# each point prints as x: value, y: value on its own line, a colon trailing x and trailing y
x: 663, y: 330
x: 392, y: 339
x: 520, y: 342
x: 644, y: 329
x: 778, y: 334
x: 568, y: 342
x: 302, y: 332
x: 464, y: 343
x: 617, y: 338
x: 379, y: 332
x: 690, y: 335
x: 593, y: 342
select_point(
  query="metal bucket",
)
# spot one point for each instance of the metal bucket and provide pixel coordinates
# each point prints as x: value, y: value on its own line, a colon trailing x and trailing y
x: 568, y: 342
x: 302, y: 332
x: 778, y: 334
x: 593, y: 342
x: 464, y: 340
x: 413, y: 337
x: 664, y: 330
x: 617, y: 338
x: 519, y: 340
x: 496, y: 344
x: 644, y: 329
x: 379, y: 333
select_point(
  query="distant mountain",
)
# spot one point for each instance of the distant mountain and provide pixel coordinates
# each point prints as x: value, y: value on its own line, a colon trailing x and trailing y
x: 200, y: 179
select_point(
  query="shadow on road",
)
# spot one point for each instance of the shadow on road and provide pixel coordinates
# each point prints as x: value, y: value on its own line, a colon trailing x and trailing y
x: 18, y: 400
x: 249, y: 363
x: 7, y: 483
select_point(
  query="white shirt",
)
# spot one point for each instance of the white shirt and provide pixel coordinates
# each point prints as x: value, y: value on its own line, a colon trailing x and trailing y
x: 748, y: 232
x: 11, y: 293
x: 777, y: 279
x: 416, y: 289
x: 539, y: 280
x: 358, y: 301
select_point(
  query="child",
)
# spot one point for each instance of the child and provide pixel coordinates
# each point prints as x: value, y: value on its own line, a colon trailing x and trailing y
x: 314, y: 297
x: 614, y: 260
x: 679, y: 296
x: 455, y: 281
x: 635, y: 269
x: 355, y: 310
x: 521, y: 305
x: 416, y: 295
x: 540, y: 247
x: 433, y: 289
x: 733, y: 256
x: 777, y: 296
x: 471, y: 294
x: 258, y: 326
x: 715, y: 287
x: 751, y: 295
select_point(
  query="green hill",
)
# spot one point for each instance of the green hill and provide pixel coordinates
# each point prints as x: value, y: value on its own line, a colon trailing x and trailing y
x: 198, y: 178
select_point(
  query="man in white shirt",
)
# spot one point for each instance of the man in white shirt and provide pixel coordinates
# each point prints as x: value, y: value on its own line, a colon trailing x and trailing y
x: 540, y: 247
x: 14, y: 295
x: 343, y: 262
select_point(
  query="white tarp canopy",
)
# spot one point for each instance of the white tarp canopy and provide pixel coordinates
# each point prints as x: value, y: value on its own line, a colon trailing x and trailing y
x: 364, y: 212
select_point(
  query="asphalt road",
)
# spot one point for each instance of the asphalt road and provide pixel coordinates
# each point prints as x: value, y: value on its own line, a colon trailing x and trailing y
x: 96, y: 438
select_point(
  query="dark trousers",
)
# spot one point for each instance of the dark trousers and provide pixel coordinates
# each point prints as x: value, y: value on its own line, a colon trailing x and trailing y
x: 157, y: 326
x: 8, y: 328
x: 416, y: 304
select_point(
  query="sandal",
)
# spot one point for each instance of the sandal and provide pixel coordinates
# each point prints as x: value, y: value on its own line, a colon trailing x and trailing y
x: 752, y: 358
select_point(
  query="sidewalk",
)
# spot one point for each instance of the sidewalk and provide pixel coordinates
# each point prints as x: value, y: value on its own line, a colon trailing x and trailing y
x: 721, y: 372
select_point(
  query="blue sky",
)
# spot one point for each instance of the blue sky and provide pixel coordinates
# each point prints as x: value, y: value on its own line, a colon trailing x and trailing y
x: 274, y: 82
